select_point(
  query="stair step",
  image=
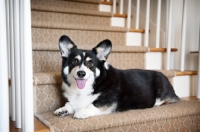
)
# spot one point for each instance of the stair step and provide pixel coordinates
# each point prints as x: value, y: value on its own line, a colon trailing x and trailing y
x: 156, y: 118
x: 45, y: 4
x: 86, y: 1
x: 62, y: 19
x: 40, y: 127
x: 82, y: 27
x: 48, y: 62
x: 69, y: 10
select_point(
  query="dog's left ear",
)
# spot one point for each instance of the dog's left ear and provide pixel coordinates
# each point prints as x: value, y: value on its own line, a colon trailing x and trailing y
x: 103, y: 49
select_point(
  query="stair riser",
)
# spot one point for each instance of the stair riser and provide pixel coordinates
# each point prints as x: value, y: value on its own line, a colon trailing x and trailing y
x: 68, y: 4
x: 50, y: 61
x: 42, y: 37
x: 51, y: 19
x: 48, y: 97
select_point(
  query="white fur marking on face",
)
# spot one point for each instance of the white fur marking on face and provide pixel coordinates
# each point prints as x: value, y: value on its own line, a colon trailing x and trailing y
x: 83, y: 53
x: 66, y: 70
x: 97, y: 72
x: 106, y: 65
x: 88, y: 59
x: 78, y: 57
x: 82, y: 68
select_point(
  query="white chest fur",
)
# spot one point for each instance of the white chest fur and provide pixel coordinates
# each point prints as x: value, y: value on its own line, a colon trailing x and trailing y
x: 79, y: 98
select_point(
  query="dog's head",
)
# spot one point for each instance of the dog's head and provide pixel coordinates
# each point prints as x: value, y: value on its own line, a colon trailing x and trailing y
x: 82, y: 67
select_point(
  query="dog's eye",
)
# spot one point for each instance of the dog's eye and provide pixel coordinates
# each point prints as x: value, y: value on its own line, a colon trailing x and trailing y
x: 75, y: 62
x: 89, y: 64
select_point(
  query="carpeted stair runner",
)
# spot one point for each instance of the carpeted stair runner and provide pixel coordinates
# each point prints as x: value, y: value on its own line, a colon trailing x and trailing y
x: 182, y: 116
x: 86, y: 26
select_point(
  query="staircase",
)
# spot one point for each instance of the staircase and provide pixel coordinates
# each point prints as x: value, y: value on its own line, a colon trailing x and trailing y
x: 86, y: 26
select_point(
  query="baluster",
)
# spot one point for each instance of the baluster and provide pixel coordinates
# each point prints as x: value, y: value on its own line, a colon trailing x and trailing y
x: 4, y: 91
x: 146, y: 38
x: 158, y: 24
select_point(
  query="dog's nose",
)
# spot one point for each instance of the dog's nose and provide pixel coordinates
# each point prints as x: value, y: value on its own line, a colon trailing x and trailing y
x: 81, y: 74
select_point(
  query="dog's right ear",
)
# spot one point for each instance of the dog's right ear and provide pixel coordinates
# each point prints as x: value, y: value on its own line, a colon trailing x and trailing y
x: 66, y: 45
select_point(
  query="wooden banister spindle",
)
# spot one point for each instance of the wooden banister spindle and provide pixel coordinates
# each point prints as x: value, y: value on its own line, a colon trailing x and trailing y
x: 137, y: 15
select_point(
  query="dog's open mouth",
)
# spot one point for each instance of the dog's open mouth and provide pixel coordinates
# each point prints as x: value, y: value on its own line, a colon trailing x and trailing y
x: 80, y: 83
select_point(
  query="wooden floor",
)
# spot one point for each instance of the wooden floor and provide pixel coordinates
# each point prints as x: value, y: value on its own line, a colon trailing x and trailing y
x: 40, y: 127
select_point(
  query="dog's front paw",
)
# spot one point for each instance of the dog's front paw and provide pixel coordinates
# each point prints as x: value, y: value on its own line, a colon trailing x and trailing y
x: 61, y: 112
x: 82, y: 113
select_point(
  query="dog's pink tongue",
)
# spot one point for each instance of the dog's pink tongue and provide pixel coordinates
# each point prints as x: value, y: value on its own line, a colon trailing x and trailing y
x: 80, y: 83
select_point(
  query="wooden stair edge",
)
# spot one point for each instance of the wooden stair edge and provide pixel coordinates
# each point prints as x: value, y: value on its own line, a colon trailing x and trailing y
x: 106, y: 3
x: 184, y: 73
x: 137, y: 30
x: 162, y: 49
x: 192, y: 52
x: 120, y: 15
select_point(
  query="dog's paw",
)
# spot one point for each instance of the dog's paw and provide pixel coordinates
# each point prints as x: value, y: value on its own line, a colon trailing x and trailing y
x: 61, y: 112
x: 82, y: 114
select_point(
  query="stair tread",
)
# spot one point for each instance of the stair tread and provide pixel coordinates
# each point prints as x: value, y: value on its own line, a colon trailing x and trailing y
x: 71, y: 26
x: 88, y: 1
x: 56, y: 18
x: 115, y: 48
x: 169, y: 113
x: 69, y: 10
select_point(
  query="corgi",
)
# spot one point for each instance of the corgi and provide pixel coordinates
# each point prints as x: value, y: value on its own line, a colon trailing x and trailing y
x: 94, y: 87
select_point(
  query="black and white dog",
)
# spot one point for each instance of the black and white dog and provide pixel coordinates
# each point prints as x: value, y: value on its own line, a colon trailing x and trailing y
x: 93, y: 87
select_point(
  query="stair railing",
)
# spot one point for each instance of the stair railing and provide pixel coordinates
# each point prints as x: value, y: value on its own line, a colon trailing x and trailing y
x: 158, y: 25
x: 169, y: 35
x: 15, y: 25
x: 4, y: 91
x: 198, y: 77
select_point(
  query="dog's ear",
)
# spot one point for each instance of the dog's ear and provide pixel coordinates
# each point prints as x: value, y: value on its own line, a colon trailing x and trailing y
x: 66, y: 45
x: 103, y: 49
